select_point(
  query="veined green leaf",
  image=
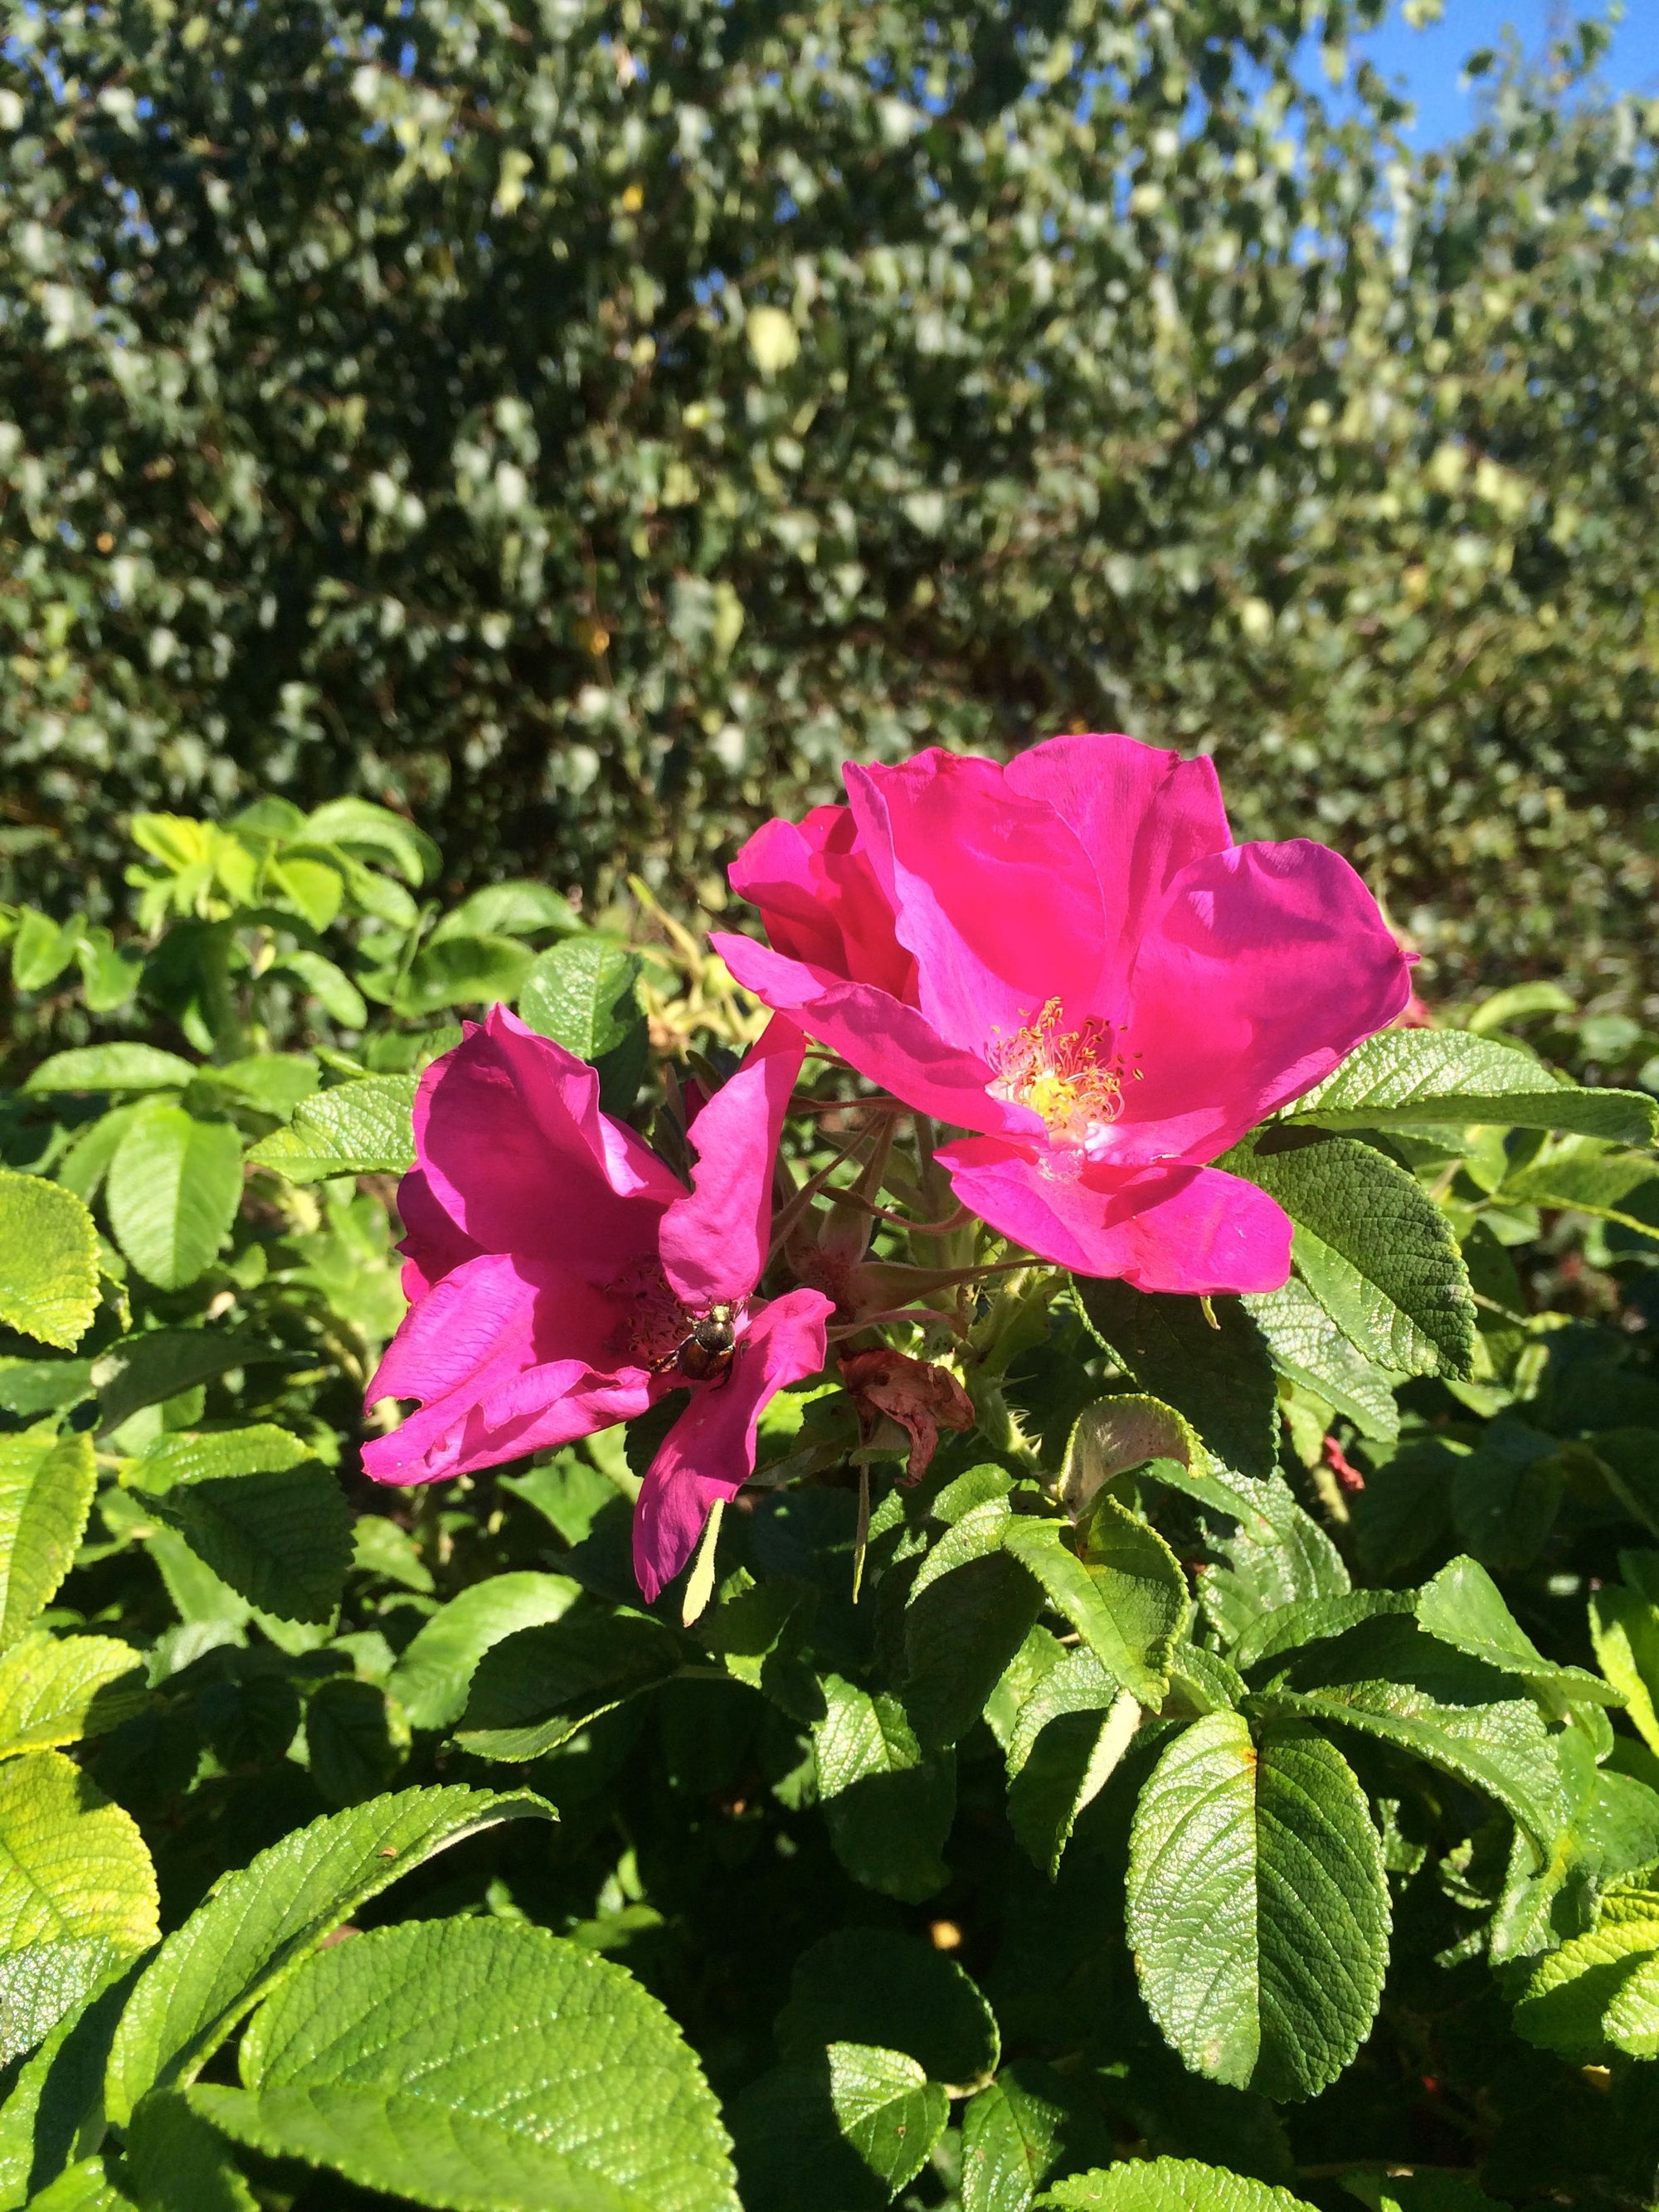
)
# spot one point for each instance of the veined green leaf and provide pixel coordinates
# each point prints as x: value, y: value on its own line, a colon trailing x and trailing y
x: 1307, y: 1345
x: 432, y: 1677
x: 56, y: 1690
x: 889, y: 1807
x: 282, y: 1538
x: 872, y: 1986
x: 538, y: 1688
x: 1068, y: 1737
x: 1219, y: 1377
x: 363, y: 1127
x: 265, y: 1918
x: 1409, y: 1079
x: 48, y: 1260
x: 1375, y: 1251
x: 482, y: 2065
x: 1258, y: 1906
x: 113, y: 1067
x: 1125, y: 1596
x: 46, y: 1483
x: 1168, y: 2184
x: 173, y: 1187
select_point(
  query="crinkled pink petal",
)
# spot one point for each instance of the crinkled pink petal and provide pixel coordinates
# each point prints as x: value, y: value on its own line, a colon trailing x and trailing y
x: 820, y: 902
x: 714, y: 1237
x: 1194, y: 1229
x: 1264, y: 967
x: 1141, y: 815
x: 710, y: 1453
x: 892, y: 1044
x: 488, y: 1354
x: 515, y: 1150
x: 434, y: 1244
x: 993, y: 893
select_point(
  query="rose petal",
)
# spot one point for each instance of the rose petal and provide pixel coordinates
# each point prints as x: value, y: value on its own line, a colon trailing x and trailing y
x: 820, y: 901
x: 1265, y: 967
x: 891, y: 1043
x: 515, y: 1150
x: 993, y: 893
x: 710, y: 1453
x: 1193, y: 1229
x: 714, y: 1239
x: 1141, y: 815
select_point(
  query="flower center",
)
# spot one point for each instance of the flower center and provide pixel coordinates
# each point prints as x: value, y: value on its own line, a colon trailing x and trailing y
x: 1064, y: 1075
x: 655, y: 1329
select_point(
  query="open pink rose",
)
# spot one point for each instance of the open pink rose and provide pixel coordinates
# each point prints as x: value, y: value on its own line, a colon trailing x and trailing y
x: 1070, y: 959
x: 556, y: 1269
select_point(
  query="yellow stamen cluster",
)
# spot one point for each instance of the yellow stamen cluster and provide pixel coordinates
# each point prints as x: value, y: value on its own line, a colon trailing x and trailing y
x: 1063, y: 1075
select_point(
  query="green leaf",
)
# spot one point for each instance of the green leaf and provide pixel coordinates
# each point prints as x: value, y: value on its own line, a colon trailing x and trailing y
x: 45, y: 1983
x: 1277, y: 1555
x: 54, y: 2106
x: 84, y: 2187
x: 1258, y: 1906
x: 432, y: 1677
x: 1506, y: 1493
x: 187, y: 1456
x: 1462, y: 1606
x: 1307, y: 1345
x: 1388, y: 1680
x: 46, y: 1483
x: 42, y: 949
x: 274, y: 1082
x: 1219, y: 1379
x: 482, y: 2065
x: 1407, y: 1079
x: 461, y: 971
x: 1012, y: 2137
x: 174, y: 2162
x: 1597, y: 1993
x: 969, y: 1611
x: 538, y: 1688
x: 1168, y: 2185
x: 282, y: 1538
x: 325, y: 981
x: 354, y: 1742
x: 1068, y: 1738
x: 72, y: 1865
x: 889, y: 1807
x: 866, y: 1986
x: 1126, y: 1594
x: 265, y: 1918
x: 362, y: 827
x: 1625, y: 1630
x: 174, y: 1189
x: 519, y: 908
x: 1117, y: 1434
x: 1581, y: 1175
x: 33, y: 1387
x: 55, y: 1690
x: 363, y: 1127
x: 380, y: 1546
x: 161, y: 1362
x: 113, y: 1067
x: 1375, y: 1251
x: 888, y: 2110
x: 582, y: 993
x: 48, y: 1260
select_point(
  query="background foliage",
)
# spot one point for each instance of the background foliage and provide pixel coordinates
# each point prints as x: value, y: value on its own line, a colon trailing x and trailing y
x: 1227, y: 1780
x: 585, y: 425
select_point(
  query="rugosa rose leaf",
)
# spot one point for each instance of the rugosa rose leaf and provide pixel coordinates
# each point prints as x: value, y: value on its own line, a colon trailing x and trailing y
x: 1070, y: 959
x: 556, y: 1269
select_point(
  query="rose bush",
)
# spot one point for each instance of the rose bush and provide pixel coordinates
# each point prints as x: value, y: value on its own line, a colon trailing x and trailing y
x: 1164, y: 1711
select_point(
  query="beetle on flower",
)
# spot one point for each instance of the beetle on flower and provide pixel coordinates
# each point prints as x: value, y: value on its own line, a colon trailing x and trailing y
x: 559, y: 1274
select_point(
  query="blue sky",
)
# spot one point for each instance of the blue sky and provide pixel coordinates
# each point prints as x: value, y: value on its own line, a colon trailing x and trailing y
x: 1430, y: 61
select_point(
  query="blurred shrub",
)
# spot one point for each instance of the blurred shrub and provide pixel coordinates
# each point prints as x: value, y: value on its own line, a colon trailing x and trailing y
x: 583, y: 428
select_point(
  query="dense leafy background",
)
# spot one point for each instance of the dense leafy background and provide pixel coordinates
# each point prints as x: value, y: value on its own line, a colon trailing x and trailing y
x: 587, y: 424
x: 1231, y: 1769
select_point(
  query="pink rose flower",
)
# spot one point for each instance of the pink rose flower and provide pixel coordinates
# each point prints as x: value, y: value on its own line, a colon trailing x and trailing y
x: 1071, y: 959
x: 558, y: 1268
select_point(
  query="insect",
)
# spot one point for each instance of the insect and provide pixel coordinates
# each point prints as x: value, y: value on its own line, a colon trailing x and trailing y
x: 706, y: 1353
